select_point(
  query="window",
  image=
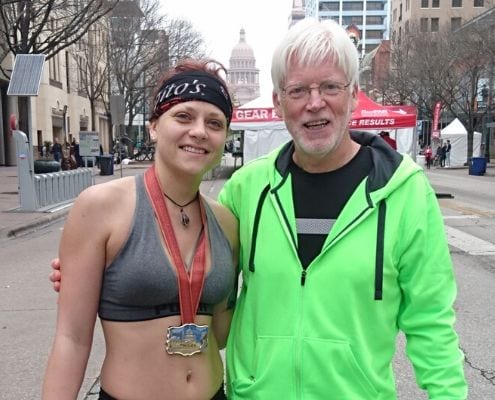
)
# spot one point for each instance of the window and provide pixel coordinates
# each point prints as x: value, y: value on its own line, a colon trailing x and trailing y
x: 456, y: 3
x: 374, y: 6
x: 424, y: 3
x: 54, y: 68
x: 455, y: 23
x: 479, y: 3
x: 354, y: 19
x: 435, y: 4
x: 358, y: 6
x: 374, y: 20
x: 423, y: 24
x: 373, y: 34
x: 434, y: 24
x: 329, y: 6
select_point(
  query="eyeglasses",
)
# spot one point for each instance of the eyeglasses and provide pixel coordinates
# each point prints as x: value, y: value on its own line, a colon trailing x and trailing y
x: 299, y: 91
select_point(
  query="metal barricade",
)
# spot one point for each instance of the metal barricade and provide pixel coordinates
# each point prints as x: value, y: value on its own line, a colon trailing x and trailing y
x: 59, y: 187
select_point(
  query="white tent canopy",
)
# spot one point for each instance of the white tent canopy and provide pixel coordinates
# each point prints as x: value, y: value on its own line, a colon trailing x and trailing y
x: 263, y: 130
x: 457, y: 134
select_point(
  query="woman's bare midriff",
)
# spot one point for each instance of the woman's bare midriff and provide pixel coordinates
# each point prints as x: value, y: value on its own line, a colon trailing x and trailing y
x: 137, y: 365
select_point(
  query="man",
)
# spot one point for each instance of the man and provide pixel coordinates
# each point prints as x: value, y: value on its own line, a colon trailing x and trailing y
x: 334, y: 259
x: 447, y: 153
x: 443, y: 154
x: 56, y: 150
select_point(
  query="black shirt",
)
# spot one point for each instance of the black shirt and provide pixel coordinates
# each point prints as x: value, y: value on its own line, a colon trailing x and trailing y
x: 320, y: 197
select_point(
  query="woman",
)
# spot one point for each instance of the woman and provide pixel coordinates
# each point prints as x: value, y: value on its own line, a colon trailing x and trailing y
x: 428, y: 156
x: 154, y: 259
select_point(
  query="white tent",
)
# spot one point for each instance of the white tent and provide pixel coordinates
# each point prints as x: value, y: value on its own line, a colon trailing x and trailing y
x: 263, y: 129
x: 457, y: 134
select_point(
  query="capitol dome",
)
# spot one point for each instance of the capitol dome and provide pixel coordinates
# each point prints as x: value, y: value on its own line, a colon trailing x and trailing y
x: 242, y: 75
x: 242, y: 49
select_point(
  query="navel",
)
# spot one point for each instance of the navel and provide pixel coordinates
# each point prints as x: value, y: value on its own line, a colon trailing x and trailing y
x: 188, y: 375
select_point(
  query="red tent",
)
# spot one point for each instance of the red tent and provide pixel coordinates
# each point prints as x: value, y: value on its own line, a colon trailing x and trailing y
x: 264, y: 130
x: 371, y: 115
x: 368, y: 115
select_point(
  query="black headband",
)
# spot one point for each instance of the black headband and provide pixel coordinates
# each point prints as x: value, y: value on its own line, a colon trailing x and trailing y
x: 192, y: 85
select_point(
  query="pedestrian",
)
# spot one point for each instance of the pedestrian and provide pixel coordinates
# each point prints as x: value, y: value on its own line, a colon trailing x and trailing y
x: 237, y: 145
x: 447, y: 153
x: 443, y: 155
x: 334, y: 263
x: 154, y: 258
x: 56, y: 150
x: 439, y: 155
x: 342, y: 246
x: 428, y: 156
x: 391, y: 141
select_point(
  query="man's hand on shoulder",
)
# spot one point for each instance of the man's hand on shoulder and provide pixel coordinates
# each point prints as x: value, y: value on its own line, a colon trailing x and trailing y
x: 55, y: 275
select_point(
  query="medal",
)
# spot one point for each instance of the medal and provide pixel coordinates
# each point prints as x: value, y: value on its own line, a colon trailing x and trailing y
x: 189, y: 338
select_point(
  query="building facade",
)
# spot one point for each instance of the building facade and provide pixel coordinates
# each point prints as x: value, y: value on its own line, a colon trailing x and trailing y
x: 298, y: 12
x: 242, y: 75
x: 433, y: 15
x: 371, y: 17
x: 66, y: 103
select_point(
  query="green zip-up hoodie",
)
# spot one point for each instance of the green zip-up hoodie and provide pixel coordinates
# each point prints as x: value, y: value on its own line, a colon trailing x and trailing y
x: 329, y: 332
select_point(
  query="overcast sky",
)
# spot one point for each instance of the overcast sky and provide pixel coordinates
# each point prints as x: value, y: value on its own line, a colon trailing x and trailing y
x: 220, y: 21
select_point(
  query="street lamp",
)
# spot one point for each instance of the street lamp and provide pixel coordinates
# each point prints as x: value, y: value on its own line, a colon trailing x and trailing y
x: 65, y: 123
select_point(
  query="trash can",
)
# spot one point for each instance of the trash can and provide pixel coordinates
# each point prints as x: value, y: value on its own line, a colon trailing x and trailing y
x: 420, y: 160
x: 106, y: 165
x: 478, y: 166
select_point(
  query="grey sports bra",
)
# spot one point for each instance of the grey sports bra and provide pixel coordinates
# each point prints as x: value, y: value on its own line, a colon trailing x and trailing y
x: 140, y: 284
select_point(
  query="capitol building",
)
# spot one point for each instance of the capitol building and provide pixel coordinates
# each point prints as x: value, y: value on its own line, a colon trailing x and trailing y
x: 243, y: 76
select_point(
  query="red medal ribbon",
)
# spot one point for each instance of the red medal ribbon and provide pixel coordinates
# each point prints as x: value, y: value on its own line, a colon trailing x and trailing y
x: 190, y: 285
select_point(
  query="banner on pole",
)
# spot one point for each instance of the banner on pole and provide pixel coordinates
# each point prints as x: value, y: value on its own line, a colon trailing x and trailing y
x: 435, y: 133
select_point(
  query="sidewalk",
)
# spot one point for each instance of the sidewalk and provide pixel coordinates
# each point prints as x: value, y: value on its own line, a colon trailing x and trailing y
x: 14, y: 222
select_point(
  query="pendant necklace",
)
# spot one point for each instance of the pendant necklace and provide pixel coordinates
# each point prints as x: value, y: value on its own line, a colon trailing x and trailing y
x: 184, y: 218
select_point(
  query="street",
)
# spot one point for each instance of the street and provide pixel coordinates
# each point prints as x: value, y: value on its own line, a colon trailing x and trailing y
x: 28, y: 305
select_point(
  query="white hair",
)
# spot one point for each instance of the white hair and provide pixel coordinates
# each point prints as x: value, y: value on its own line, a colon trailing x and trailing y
x: 310, y: 42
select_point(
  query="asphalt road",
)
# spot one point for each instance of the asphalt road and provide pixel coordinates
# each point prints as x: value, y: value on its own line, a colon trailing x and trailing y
x: 28, y: 305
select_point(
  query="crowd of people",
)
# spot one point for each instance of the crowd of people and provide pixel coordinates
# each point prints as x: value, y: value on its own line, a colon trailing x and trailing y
x: 314, y: 319
x: 67, y: 154
x: 441, y: 158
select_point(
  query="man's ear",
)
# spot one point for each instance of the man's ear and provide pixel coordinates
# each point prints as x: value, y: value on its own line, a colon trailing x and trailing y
x: 277, y: 104
x: 354, y: 97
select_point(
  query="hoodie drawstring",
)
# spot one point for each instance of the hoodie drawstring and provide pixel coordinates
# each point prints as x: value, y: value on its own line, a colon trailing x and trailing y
x: 380, y: 240
x: 257, y: 217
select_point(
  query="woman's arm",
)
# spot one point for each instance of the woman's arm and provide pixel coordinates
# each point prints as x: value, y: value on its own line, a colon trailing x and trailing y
x: 82, y: 256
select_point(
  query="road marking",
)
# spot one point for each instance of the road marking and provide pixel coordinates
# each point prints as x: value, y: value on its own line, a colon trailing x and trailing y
x: 465, y: 209
x: 469, y: 243
x: 461, y: 217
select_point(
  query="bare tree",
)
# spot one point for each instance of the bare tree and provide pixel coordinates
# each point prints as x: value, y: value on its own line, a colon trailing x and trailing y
x: 45, y: 27
x: 142, y: 48
x: 184, y: 41
x: 420, y: 64
x: 138, y: 46
x: 469, y: 67
x: 441, y: 66
x: 91, y: 64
